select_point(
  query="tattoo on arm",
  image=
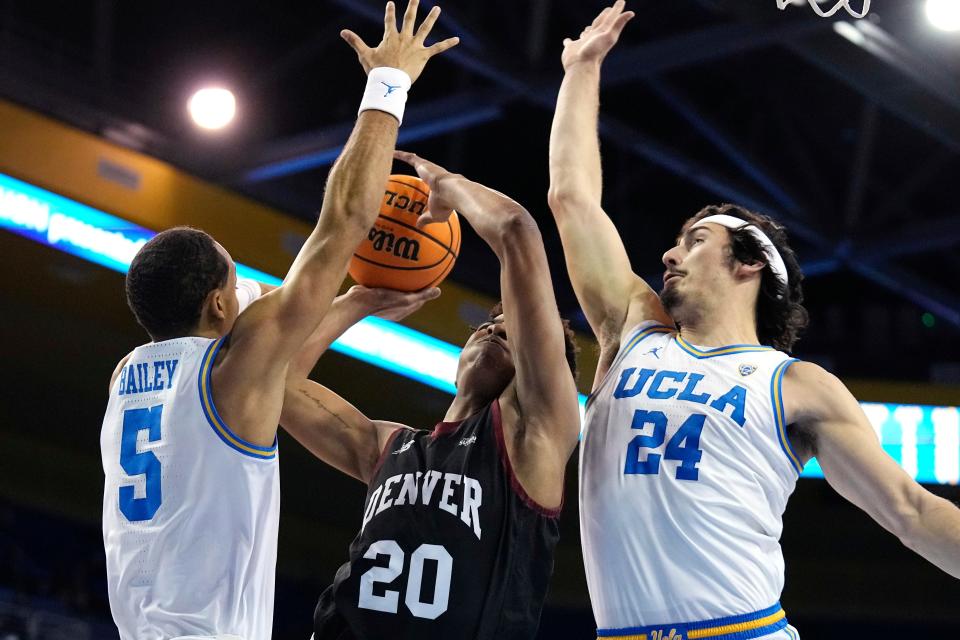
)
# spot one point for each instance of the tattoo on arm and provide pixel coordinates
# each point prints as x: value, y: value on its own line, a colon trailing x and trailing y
x: 320, y: 405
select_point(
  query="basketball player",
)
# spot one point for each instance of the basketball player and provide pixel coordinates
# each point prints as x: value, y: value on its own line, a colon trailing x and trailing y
x: 191, y: 493
x: 699, y: 422
x: 460, y: 522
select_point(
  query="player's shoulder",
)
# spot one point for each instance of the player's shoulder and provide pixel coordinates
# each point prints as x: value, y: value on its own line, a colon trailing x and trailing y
x: 116, y: 371
x: 809, y: 376
x: 811, y: 392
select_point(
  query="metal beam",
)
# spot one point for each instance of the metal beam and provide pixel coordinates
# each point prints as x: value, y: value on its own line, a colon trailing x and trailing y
x: 725, y: 143
x: 832, y: 56
x: 321, y: 148
x: 629, y: 63
x: 861, y: 165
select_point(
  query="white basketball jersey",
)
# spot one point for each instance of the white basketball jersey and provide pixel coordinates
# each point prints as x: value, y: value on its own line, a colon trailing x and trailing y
x: 685, y: 470
x: 190, y: 511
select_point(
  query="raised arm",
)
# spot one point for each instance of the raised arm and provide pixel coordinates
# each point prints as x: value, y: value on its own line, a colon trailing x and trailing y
x: 858, y: 468
x: 545, y: 404
x: 612, y: 296
x: 320, y: 420
x: 249, y: 374
x: 334, y: 430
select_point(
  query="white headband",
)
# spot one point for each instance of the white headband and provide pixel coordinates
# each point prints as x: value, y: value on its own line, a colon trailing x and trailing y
x: 735, y: 224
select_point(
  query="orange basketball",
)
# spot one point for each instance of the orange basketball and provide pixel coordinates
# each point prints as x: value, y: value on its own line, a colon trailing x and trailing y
x: 396, y: 254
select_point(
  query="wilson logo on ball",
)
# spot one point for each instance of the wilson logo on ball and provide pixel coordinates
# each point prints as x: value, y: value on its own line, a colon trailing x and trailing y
x: 406, y: 248
x: 395, y: 253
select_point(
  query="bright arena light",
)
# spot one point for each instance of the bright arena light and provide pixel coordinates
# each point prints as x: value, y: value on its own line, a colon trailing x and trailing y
x: 944, y: 14
x: 213, y: 107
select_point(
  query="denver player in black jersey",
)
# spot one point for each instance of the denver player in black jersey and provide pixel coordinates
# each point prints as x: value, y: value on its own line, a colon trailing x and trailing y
x: 460, y: 522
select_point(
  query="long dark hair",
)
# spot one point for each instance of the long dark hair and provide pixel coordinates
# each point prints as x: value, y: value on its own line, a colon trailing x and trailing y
x: 780, y: 314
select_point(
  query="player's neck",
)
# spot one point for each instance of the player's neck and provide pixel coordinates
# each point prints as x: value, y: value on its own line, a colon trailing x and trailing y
x: 465, y: 404
x: 721, y: 330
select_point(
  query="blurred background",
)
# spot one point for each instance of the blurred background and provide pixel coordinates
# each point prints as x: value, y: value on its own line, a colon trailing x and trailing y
x: 848, y: 131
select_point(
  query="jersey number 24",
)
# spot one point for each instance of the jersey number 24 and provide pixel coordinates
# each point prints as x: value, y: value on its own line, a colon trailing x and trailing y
x: 683, y: 447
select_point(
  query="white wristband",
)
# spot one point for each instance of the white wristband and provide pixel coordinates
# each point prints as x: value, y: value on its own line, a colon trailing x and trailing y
x: 247, y: 291
x: 386, y: 91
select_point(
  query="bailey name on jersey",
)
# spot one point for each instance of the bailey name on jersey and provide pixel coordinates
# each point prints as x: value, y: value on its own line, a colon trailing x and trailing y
x: 141, y: 377
x: 682, y: 385
x: 460, y: 496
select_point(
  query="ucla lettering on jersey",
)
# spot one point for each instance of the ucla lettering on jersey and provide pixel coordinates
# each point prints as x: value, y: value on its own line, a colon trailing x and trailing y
x: 190, y: 510
x: 685, y: 470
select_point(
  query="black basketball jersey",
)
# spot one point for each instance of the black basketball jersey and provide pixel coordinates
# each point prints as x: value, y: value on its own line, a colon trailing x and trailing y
x: 450, y: 545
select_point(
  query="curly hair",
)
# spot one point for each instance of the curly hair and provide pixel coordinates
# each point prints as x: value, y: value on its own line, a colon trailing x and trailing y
x: 780, y: 314
x: 169, y: 279
x: 570, y: 346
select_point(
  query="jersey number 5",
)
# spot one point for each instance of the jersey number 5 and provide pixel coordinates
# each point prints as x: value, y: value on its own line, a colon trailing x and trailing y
x: 390, y: 600
x: 140, y: 463
x: 684, y: 446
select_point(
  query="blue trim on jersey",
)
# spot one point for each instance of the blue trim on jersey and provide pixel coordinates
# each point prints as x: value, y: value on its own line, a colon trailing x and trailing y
x: 213, y: 417
x: 739, y: 627
x: 715, y: 352
x: 776, y: 398
x: 628, y: 346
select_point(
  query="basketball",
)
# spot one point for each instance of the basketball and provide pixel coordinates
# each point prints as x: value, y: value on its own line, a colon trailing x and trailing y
x: 396, y: 254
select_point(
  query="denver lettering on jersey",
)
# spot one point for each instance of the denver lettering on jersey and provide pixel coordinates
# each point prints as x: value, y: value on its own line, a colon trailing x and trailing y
x: 406, y: 488
x: 664, y: 385
x: 140, y: 377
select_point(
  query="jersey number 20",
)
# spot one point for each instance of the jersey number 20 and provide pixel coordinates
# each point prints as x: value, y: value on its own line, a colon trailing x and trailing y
x: 390, y: 600
x: 140, y: 463
x: 684, y: 446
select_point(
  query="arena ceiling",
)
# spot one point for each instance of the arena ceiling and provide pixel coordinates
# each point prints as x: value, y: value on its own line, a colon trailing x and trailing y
x: 847, y: 131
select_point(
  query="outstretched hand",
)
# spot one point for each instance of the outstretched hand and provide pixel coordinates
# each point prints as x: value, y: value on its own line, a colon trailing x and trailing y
x: 595, y: 41
x: 439, y: 205
x: 390, y: 304
x: 404, y: 48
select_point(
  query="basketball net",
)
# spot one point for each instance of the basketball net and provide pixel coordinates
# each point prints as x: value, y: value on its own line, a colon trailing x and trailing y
x: 841, y: 4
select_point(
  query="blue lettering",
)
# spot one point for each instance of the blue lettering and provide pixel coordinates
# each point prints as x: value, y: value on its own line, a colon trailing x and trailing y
x: 656, y: 392
x: 131, y: 380
x: 123, y: 380
x: 157, y: 372
x: 737, y: 398
x: 688, y: 391
x: 171, y: 367
x: 143, y: 372
x: 622, y: 391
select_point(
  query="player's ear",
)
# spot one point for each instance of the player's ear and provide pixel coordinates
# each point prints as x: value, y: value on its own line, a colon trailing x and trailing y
x: 215, y: 305
x: 748, y: 269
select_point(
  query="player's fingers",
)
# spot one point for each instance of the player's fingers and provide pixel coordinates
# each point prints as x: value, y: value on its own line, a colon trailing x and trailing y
x: 425, y: 295
x: 621, y: 23
x: 443, y: 45
x: 389, y: 19
x: 427, y: 24
x: 430, y: 217
x: 410, y: 16
x: 425, y: 218
x: 355, y: 41
x: 600, y: 17
x: 567, y: 41
x: 616, y: 11
x: 406, y: 156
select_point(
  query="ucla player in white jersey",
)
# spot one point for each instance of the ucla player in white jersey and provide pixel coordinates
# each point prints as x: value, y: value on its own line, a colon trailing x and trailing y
x: 189, y: 448
x: 699, y: 422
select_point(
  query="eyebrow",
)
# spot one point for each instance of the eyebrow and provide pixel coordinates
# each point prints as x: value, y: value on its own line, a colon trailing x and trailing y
x: 683, y: 236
